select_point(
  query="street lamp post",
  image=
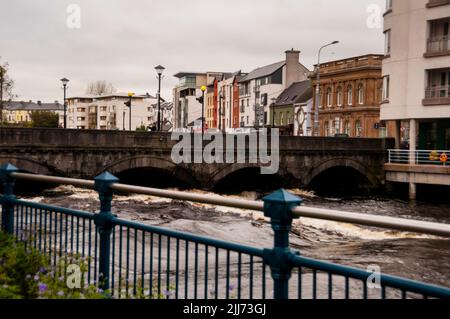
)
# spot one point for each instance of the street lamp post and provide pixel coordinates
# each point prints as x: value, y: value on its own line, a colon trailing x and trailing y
x: 130, y: 96
x: 203, y: 88
x: 65, y: 82
x: 159, y: 69
x: 316, y: 109
x: 221, y: 97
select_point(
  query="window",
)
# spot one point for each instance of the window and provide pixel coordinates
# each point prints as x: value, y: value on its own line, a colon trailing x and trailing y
x: 358, y: 128
x: 388, y: 5
x: 320, y: 99
x: 337, y: 125
x: 347, y: 128
x: 387, y: 42
x: 339, y: 96
x: 103, y: 108
x: 281, y: 119
x: 360, y: 94
x: 102, y: 118
x: 247, y: 119
x: 350, y: 95
x: 329, y: 97
x: 326, y: 128
x: 386, y: 84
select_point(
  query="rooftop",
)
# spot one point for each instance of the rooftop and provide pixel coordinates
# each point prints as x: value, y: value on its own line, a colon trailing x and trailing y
x: 298, y: 92
x: 32, y: 106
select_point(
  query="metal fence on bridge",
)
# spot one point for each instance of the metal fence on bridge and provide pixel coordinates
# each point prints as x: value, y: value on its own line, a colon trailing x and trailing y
x: 129, y: 259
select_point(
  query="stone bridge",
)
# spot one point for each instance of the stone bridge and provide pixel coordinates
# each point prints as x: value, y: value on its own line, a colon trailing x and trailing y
x: 85, y: 154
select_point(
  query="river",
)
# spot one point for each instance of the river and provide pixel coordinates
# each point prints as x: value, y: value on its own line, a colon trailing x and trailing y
x: 413, y: 256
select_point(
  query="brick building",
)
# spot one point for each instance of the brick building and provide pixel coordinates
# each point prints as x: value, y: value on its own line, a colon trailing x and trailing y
x: 351, y: 94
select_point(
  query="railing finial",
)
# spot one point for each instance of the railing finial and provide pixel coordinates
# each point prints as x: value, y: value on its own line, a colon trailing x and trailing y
x: 8, y: 182
x: 278, y: 206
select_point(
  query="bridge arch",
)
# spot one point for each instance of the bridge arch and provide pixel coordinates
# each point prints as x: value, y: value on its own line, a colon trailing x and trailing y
x: 243, y: 174
x: 163, y: 169
x: 342, y: 171
x: 30, y: 166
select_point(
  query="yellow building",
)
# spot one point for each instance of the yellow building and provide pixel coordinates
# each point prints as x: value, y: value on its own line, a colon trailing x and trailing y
x: 20, y: 112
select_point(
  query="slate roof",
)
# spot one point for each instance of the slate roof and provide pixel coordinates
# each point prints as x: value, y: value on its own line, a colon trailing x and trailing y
x: 263, y: 71
x: 298, y: 92
x: 31, y: 106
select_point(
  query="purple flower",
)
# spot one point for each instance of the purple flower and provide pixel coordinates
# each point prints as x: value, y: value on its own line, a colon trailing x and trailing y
x: 231, y: 287
x: 36, y: 277
x: 42, y: 288
x: 167, y: 293
x: 42, y: 270
x: 61, y: 278
x: 60, y: 293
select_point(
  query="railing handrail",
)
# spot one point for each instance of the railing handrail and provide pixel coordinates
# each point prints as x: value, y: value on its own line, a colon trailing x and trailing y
x: 416, y: 151
x: 401, y: 224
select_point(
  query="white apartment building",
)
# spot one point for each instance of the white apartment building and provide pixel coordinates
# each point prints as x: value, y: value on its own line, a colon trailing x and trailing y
x: 109, y: 112
x: 261, y: 87
x: 416, y: 71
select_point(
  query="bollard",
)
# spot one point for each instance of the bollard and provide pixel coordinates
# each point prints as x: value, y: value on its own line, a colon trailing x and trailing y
x: 277, y: 207
x: 7, y: 206
x: 104, y: 224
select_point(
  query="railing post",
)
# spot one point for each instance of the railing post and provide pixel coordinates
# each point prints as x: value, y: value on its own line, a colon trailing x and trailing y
x: 277, y: 207
x: 104, y: 223
x: 8, y: 187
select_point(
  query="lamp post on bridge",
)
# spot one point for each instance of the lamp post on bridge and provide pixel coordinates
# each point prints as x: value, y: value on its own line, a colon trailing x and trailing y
x: 65, y: 82
x: 130, y: 97
x: 159, y: 69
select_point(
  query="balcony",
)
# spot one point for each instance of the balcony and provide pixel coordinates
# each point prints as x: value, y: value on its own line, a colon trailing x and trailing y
x: 437, y: 95
x: 438, y: 46
x: 437, y: 3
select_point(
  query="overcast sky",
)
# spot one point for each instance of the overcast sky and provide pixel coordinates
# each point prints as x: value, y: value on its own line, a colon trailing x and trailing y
x: 122, y: 41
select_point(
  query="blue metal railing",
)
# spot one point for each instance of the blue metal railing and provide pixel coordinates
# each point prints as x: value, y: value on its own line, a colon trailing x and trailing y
x: 131, y: 259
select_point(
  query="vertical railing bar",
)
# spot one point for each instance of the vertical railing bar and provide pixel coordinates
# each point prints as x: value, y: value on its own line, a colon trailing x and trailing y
x: 168, y: 269
x: 159, y: 265
x: 29, y: 225
x: 151, y: 264
x: 60, y: 234
x: 314, y: 287
x: 95, y: 257
x: 196, y: 271
x: 251, y: 278
x: 263, y: 281
x: 186, y: 272
x: 206, y: 271
x: 66, y: 243
x: 127, y: 272
x: 78, y: 236
x: 113, y: 259
x: 40, y: 229
x: 45, y: 231
x: 143, y: 263
x: 83, y: 238
x: 21, y: 222
x: 25, y: 230
x: 216, y: 275
x: 299, y: 282
x: 177, y: 269
x: 330, y: 286
x: 135, y: 263
x: 347, y: 288
x: 383, y: 292
x: 404, y: 294
x: 55, y: 252
x: 89, y: 256
x: 364, y: 290
x: 120, y: 260
x: 239, y: 274
x: 228, y: 276
x: 71, y: 234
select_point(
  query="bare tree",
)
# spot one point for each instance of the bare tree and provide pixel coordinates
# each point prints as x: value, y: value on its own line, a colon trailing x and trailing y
x: 6, y: 87
x: 100, y: 88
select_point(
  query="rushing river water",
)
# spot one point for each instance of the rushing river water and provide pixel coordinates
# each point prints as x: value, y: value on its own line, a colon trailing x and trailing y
x: 418, y: 257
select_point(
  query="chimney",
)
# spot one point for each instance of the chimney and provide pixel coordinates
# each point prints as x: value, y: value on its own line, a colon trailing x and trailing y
x: 293, y: 70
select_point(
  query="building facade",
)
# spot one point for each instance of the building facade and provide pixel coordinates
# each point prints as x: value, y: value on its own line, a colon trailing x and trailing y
x: 109, y: 112
x: 416, y: 73
x: 350, y: 97
x: 259, y: 88
x: 290, y: 112
x: 19, y: 112
x: 187, y: 109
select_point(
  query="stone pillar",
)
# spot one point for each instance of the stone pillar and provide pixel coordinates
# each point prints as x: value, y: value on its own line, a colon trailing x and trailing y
x: 397, y: 133
x: 412, y: 156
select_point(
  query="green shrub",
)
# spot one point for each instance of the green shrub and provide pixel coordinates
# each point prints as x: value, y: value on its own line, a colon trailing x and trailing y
x: 25, y: 273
